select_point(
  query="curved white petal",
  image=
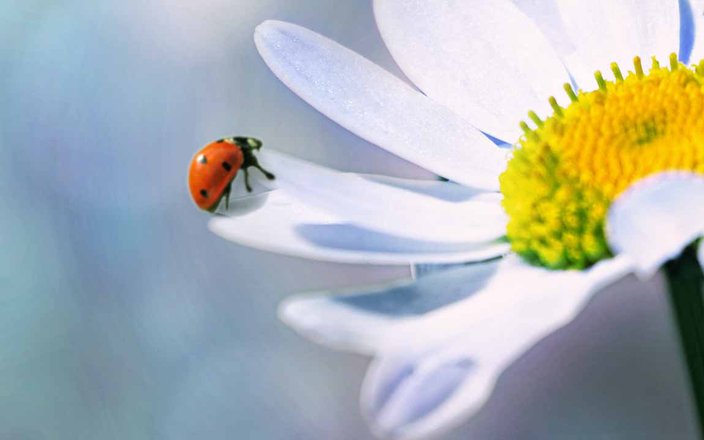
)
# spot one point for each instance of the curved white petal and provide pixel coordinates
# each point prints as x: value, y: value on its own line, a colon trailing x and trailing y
x: 408, y: 397
x: 437, y: 370
x: 656, y: 218
x: 360, y: 320
x: 280, y: 223
x: 517, y: 291
x: 369, y: 101
x: 387, y: 208
x: 697, y: 7
x: 604, y: 31
x: 486, y: 61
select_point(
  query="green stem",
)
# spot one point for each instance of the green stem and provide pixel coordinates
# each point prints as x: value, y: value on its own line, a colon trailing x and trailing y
x: 686, y: 282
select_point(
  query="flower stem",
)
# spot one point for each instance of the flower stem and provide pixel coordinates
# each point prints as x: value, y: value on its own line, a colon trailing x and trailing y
x: 686, y: 283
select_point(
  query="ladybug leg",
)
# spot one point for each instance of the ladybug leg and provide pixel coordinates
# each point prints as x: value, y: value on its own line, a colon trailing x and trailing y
x: 251, y: 161
x: 246, y: 180
x: 268, y: 175
x: 227, y: 196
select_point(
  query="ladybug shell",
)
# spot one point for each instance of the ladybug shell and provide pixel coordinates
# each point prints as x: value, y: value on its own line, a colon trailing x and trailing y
x: 212, y: 169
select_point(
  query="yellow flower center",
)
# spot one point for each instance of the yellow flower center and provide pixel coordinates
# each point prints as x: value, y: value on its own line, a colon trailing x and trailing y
x: 566, y: 171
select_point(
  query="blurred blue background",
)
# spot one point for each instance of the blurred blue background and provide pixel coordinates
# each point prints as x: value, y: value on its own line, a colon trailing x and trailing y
x: 123, y: 317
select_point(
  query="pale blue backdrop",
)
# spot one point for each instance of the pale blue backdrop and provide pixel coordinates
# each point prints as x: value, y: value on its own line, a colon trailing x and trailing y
x: 123, y: 317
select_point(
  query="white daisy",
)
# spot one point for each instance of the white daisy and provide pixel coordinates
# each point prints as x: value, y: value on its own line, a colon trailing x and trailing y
x: 599, y: 185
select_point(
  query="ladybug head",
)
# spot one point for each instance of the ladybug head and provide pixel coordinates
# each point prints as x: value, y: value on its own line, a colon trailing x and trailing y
x: 248, y: 143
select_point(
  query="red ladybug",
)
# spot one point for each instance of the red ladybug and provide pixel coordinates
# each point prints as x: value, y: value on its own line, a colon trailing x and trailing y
x: 215, y: 166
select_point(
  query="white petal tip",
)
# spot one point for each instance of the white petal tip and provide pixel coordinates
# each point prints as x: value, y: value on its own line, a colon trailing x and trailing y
x: 422, y: 398
x: 268, y: 24
x: 265, y: 30
x: 301, y: 314
x: 322, y: 320
x: 289, y: 312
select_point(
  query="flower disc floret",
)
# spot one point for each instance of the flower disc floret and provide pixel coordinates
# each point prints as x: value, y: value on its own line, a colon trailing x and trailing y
x: 566, y: 171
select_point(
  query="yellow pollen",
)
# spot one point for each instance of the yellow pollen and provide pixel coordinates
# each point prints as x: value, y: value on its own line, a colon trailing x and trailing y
x: 565, y: 172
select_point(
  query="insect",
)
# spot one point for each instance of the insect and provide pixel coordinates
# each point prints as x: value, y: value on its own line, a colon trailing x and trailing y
x: 214, y: 167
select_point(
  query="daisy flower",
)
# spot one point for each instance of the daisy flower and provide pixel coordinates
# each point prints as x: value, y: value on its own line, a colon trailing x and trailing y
x: 557, y: 181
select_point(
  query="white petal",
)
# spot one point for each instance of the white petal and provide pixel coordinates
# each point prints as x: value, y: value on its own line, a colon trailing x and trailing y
x: 278, y: 222
x: 700, y: 255
x: 697, y: 9
x: 546, y: 16
x: 439, y: 370
x: 656, y: 218
x: 369, y: 101
x: 518, y: 291
x: 386, y: 208
x: 359, y: 321
x: 486, y: 61
x: 421, y: 397
x: 604, y: 31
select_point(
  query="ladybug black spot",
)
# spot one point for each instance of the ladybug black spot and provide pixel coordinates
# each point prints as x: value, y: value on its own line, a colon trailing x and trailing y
x: 204, y: 193
x: 227, y: 166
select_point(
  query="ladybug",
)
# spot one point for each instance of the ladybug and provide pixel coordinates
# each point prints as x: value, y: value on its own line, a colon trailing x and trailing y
x: 215, y: 166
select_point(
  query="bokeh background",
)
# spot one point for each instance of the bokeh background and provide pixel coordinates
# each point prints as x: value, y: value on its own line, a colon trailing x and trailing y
x: 123, y: 317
